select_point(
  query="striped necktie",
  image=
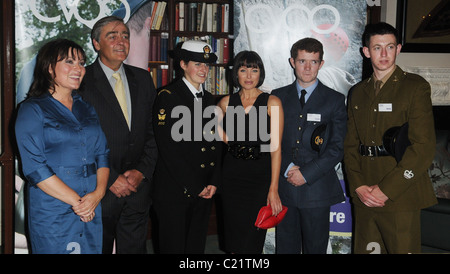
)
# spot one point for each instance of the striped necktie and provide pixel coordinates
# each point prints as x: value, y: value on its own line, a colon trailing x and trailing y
x: 120, y: 94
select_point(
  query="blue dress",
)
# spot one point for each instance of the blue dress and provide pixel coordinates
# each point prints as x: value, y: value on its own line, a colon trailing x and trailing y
x: 71, y: 144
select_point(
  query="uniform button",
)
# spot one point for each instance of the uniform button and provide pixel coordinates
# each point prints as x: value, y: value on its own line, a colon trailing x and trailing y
x: 203, y: 149
x: 213, y: 148
x: 301, y: 115
x: 298, y: 141
x: 212, y: 164
x: 375, y: 109
x: 299, y: 128
x: 202, y: 165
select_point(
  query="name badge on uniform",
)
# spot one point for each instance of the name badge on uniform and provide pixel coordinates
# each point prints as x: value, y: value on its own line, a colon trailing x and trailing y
x: 385, y: 107
x: 312, y: 117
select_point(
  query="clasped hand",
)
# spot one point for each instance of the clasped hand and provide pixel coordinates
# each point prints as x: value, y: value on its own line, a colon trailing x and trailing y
x: 295, y: 177
x: 208, y: 192
x: 86, y: 206
x: 127, y: 183
x: 371, y: 196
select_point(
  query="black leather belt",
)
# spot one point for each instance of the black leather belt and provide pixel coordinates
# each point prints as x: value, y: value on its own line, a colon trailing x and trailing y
x: 246, y: 152
x: 373, y: 151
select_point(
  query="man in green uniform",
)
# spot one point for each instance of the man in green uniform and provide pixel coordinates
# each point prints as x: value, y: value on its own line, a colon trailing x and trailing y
x: 388, y: 194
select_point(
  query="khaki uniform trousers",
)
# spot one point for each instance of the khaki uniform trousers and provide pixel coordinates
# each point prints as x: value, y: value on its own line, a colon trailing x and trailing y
x: 392, y: 232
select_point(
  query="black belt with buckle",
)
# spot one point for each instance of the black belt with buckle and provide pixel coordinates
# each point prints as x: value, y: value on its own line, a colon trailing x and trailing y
x: 373, y: 151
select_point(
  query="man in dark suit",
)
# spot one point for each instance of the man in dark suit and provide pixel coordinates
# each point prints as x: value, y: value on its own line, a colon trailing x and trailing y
x: 312, y: 145
x: 189, y: 161
x: 127, y: 124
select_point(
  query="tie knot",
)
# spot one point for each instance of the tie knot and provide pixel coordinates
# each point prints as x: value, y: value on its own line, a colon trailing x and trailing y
x: 116, y: 76
x: 378, y: 84
x: 303, y: 92
x: 199, y: 94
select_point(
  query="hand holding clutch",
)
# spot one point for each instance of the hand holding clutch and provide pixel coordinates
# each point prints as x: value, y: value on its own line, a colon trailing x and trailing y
x: 266, y: 220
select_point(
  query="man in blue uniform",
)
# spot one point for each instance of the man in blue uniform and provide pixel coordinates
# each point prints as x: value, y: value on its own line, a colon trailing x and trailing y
x: 308, y: 183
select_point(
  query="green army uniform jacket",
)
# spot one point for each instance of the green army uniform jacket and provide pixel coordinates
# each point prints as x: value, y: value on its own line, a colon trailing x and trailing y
x: 405, y: 97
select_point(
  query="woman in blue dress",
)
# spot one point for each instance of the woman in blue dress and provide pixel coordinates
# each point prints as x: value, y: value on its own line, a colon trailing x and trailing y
x: 64, y: 155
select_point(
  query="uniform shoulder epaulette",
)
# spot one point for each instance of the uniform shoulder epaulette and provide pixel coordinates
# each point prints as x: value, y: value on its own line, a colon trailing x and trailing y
x: 164, y: 90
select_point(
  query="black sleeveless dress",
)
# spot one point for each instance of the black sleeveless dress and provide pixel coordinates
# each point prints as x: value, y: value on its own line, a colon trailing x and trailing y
x: 246, y: 175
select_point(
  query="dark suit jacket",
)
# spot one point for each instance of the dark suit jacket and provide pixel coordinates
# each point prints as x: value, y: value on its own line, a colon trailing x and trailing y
x: 323, y: 187
x: 135, y: 149
x: 187, y: 162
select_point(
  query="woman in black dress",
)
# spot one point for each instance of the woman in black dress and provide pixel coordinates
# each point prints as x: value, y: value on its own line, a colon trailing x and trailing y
x: 253, y: 127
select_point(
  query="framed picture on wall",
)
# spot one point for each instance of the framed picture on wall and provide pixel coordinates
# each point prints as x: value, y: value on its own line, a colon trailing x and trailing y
x: 424, y: 26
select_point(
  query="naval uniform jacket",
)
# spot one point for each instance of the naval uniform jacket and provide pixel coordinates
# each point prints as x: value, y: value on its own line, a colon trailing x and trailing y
x: 189, y: 155
x: 405, y: 97
x: 324, y: 106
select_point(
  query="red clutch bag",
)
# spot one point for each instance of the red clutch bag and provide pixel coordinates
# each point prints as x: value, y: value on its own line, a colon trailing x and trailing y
x: 266, y: 220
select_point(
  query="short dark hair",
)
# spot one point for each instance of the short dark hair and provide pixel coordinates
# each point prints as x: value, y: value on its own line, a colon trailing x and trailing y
x: 249, y: 59
x: 98, y: 26
x: 380, y: 28
x: 307, y: 44
x: 47, y: 57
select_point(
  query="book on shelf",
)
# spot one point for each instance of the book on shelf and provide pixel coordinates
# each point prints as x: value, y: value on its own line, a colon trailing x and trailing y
x: 202, y: 26
x: 216, y: 82
x: 160, y: 75
x: 226, y: 50
x: 158, y: 14
x: 153, y: 16
x: 161, y: 13
x: 192, y: 10
x: 164, y: 46
x: 225, y: 17
x: 214, y: 17
x: 209, y: 17
x: 159, y: 44
x: 202, y: 17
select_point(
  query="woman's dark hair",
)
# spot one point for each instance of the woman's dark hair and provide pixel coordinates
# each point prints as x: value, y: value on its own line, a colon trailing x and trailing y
x: 47, y: 57
x: 249, y: 59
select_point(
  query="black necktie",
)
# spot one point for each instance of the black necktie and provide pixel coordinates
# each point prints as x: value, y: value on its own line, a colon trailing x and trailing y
x: 199, y: 94
x: 302, y: 98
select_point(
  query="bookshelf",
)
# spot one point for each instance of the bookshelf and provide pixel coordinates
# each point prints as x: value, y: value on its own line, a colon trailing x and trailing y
x: 181, y: 20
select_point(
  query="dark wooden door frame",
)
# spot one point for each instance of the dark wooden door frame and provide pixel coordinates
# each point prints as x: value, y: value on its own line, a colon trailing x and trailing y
x: 7, y: 109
